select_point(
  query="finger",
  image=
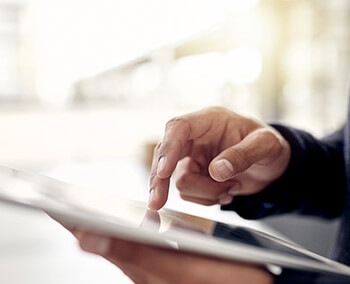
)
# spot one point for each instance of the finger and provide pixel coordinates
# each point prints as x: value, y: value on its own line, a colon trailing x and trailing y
x: 260, y: 146
x: 102, y: 245
x: 159, y: 187
x: 177, y: 142
x: 169, y: 266
x: 249, y: 185
x: 179, y: 132
x: 129, y: 256
x: 199, y: 186
x: 202, y: 189
x: 159, y: 193
x: 151, y: 220
x: 157, y: 262
x: 154, y: 164
x: 149, y: 264
x: 201, y: 201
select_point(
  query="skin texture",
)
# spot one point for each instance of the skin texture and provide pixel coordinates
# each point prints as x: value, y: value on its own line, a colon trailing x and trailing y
x: 200, y: 146
x: 200, y: 143
x: 145, y: 264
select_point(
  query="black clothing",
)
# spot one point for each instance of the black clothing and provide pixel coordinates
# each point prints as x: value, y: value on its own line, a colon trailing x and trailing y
x: 316, y: 182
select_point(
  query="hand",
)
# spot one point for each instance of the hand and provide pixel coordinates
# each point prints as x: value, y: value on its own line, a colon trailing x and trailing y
x: 147, y: 264
x: 218, y: 154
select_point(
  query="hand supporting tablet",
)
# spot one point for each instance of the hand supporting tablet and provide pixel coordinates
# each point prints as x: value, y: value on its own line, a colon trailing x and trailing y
x: 148, y: 264
x: 217, y: 154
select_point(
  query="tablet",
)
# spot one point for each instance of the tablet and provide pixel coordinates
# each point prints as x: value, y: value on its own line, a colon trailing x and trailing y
x: 114, y: 215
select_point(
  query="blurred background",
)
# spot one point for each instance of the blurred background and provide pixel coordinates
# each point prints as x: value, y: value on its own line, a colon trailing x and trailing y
x: 86, y: 88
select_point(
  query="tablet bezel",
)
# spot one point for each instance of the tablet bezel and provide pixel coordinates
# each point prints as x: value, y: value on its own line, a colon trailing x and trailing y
x: 180, y: 240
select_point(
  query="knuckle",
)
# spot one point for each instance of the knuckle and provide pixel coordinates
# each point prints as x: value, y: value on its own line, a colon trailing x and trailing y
x: 218, y: 109
x: 178, y: 121
x: 157, y: 147
x: 241, y: 157
x: 159, y: 150
x: 155, y: 154
x: 174, y: 121
x: 162, y: 148
x: 222, y: 111
x: 153, y: 175
x: 274, y: 141
x: 267, y: 133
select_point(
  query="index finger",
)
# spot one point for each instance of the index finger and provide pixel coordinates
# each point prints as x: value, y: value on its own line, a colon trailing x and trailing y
x: 177, y: 141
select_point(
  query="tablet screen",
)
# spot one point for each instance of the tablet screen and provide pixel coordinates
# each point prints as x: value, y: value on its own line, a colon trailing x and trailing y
x: 127, y: 218
x: 250, y: 237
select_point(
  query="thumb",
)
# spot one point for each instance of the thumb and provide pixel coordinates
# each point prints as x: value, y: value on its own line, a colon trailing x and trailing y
x: 261, y: 145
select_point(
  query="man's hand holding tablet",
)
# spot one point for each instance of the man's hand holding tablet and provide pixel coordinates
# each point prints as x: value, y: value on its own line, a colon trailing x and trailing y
x: 218, y: 154
x: 153, y: 265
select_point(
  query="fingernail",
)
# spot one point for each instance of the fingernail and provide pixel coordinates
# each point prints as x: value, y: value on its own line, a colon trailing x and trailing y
x: 161, y: 165
x: 225, y: 168
x: 234, y: 189
x: 225, y: 199
x: 96, y: 244
x: 151, y: 196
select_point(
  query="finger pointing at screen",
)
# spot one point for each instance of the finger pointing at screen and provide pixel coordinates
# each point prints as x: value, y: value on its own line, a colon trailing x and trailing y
x: 222, y: 155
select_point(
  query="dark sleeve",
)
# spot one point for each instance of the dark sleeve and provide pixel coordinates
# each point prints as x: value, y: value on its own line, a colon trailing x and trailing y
x: 313, y: 184
x: 290, y: 276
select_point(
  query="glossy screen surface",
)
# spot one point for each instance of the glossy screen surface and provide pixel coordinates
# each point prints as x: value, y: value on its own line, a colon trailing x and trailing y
x: 53, y: 196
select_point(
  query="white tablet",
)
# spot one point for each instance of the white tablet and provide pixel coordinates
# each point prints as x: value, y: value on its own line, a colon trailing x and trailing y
x: 117, y: 216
